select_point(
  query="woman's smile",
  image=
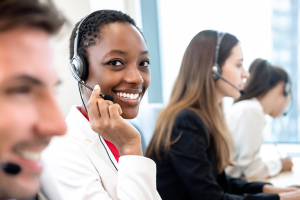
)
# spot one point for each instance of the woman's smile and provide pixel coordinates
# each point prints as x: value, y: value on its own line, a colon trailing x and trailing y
x: 131, y: 97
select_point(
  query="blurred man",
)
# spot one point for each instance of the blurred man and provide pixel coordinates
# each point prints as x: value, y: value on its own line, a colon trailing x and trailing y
x: 29, y: 114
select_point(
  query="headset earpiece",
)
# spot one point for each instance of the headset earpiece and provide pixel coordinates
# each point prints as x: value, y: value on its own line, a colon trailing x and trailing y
x: 287, y: 89
x: 81, y: 67
x: 216, y: 71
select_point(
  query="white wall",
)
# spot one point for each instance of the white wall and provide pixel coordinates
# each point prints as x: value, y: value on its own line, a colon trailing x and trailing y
x: 68, y: 94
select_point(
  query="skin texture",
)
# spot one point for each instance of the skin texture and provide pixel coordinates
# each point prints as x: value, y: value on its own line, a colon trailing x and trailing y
x: 118, y: 63
x: 29, y: 114
x: 274, y: 102
x: 234, y: 72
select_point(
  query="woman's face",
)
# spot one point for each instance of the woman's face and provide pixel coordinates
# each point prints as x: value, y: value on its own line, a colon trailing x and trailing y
x: 119, y: 65
x: 280, y: 102
x: 234, y: 72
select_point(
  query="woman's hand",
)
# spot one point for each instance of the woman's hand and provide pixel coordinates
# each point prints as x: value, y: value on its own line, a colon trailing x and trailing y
x: 275, y: 190
x: 105, y: 120
x: 287, y: 164
x: 294, y: 195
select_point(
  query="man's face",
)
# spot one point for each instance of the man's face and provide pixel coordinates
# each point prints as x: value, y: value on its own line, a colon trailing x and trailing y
x: 29, y: 114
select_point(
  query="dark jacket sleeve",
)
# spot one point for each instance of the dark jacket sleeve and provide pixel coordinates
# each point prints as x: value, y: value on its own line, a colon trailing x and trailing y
x: 189, y: 156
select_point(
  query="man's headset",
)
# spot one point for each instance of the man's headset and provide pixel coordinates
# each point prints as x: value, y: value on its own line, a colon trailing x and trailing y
x: 79, y: 65
x: 216, y: 69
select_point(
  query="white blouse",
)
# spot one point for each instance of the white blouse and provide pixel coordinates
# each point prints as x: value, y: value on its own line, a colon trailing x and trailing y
x: 246, y: 121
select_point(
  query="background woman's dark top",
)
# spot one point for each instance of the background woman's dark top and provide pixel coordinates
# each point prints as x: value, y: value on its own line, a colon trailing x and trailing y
x: 189, y: 170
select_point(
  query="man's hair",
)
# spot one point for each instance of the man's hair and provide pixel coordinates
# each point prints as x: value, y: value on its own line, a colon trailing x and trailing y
x: 30, y: 13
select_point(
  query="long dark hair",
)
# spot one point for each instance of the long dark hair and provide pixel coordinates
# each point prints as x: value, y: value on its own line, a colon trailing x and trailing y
x: 195, y: 89
x: 263, y: 77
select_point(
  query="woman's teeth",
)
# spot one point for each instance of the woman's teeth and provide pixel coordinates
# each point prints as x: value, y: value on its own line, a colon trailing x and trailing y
x: 29, y: 155
x: 128, y: 95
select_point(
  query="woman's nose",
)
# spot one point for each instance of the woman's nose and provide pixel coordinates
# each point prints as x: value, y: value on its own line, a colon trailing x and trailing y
x: 245, y: 74
x: 134, y: 76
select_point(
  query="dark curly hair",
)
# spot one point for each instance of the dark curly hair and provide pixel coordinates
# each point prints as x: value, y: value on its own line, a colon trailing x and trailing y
x: 90, y: 29
x: 31, y: 13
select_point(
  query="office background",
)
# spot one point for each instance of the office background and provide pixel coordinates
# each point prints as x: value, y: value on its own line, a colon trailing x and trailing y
x: 267, y: 29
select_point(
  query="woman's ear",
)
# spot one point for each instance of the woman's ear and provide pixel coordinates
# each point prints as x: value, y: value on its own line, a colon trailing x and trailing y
x: 281, y: 88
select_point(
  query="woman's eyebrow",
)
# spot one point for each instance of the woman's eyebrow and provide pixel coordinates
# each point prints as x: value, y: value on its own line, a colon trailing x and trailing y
x: 115, y: 51
x: 144, y: 53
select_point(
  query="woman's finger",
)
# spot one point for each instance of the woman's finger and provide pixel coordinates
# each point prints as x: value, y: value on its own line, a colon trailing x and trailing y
x: 114, y: 112
x: 103, y: 108
x: 92, y: 107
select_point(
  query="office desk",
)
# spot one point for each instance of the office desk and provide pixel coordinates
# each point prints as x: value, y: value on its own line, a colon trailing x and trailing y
x: 285, y: 179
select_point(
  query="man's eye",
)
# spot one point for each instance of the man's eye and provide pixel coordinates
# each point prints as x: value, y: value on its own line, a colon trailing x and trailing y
x: 21, y: 90
x: 145, y: 63
x: 115, y: 63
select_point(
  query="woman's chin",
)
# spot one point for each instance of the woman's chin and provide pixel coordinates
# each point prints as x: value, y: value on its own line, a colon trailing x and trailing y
x: 130, y: 113
x: 234, y: 94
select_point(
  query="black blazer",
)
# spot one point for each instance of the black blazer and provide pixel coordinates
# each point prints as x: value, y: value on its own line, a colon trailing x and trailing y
x: 188, y: 171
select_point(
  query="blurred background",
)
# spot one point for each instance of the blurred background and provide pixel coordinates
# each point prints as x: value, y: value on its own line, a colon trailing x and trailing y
x: 267, y: 29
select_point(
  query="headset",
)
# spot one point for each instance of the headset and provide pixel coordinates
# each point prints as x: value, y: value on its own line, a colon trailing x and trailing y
x: 216, y: 69
x: 78, y: 64
x: 287, y: 90
x: 79, y: 68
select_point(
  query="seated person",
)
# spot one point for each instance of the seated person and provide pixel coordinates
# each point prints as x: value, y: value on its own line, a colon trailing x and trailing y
x: 29, y: 115
x: 191, y: 142
x: 267, y: 91
x: 101, y: 155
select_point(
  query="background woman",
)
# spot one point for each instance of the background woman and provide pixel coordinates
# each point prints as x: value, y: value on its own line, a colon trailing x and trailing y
x: 267, y: 92
x: 101, y: 155
x: 191, y: 141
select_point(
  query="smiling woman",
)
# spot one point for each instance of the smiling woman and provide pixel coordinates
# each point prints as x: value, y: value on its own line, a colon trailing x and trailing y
x: 101, y: 156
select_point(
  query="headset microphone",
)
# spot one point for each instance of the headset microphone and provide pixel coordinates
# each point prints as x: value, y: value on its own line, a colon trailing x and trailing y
x: 105, y: 97
x: 10, y: 168
x: 216, y: 69
x: 215, y: 73
x: 78, y: 64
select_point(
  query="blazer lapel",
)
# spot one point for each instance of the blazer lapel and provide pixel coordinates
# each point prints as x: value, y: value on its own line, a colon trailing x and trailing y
x: 89, y: 142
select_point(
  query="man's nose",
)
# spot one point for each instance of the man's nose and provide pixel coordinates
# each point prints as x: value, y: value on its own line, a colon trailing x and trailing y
x: 51, y: 122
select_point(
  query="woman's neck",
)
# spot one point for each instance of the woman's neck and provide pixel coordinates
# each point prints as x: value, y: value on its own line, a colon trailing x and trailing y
x: 82, y: 108
x: 266, y: 103
x: 219, y: 97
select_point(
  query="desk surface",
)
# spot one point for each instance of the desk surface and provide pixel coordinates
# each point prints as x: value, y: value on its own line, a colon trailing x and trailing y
x: 285, y: 179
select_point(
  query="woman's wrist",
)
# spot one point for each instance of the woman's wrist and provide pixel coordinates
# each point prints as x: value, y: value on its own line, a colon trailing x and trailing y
x: 132, y: 148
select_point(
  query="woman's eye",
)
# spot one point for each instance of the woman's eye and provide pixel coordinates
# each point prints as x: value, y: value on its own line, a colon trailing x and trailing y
x: 145, y: 63
x: 115, y: 63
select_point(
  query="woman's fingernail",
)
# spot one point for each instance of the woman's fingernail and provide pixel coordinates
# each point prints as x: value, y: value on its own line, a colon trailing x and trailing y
x: 96, y: 87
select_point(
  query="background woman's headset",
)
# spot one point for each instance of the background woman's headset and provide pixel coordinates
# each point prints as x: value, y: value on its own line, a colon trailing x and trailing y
x: 216, y: 69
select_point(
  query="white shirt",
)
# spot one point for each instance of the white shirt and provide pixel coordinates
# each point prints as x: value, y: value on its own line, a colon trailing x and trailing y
x: 77, y: 167
x: 246, y: 121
